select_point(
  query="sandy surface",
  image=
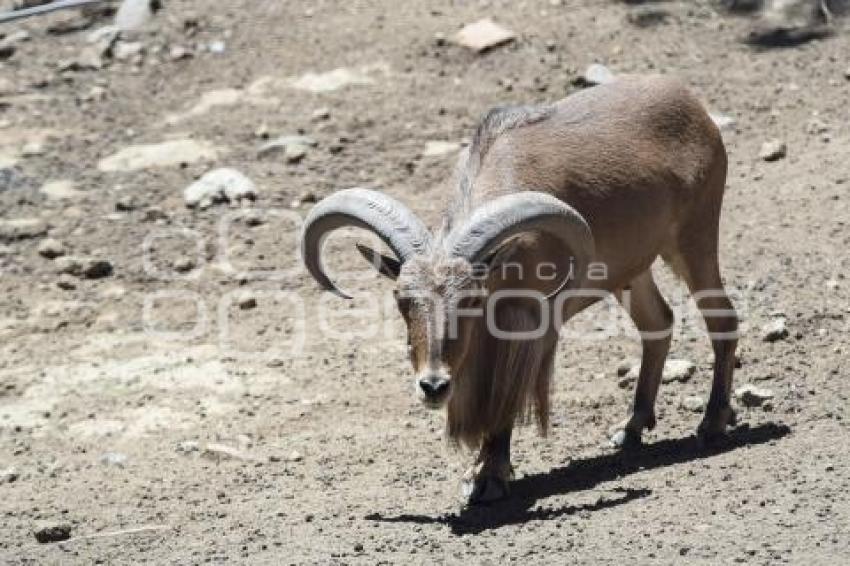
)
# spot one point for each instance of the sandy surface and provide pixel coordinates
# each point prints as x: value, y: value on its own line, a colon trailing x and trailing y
x: 148, y: 401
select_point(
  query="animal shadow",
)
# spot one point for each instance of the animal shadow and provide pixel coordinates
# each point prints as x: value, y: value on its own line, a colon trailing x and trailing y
x: 584, y: 474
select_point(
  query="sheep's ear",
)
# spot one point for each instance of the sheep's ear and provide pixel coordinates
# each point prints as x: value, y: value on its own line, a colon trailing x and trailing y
x: 386, y: 266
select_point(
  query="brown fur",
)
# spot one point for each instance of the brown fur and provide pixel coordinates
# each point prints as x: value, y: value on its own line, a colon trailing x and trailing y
x: 501, y: 381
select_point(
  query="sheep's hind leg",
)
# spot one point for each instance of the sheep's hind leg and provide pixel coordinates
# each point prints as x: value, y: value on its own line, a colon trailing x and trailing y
x: 654, y: 321
x: 703, y: 278
x: 488, y: 480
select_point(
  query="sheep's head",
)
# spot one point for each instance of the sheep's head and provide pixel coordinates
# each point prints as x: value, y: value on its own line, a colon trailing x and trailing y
x: 439, y: 298
x: 441, y: 286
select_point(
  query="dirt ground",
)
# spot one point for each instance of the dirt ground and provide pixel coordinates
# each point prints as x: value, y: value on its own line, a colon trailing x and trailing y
x: 165, y: 423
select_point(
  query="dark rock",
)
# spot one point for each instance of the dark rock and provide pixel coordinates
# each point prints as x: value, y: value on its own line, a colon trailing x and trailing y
x: 648, y: 16
x: 53, y: 532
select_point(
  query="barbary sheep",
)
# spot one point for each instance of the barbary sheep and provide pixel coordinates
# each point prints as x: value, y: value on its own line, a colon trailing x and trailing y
x: 553, y: 208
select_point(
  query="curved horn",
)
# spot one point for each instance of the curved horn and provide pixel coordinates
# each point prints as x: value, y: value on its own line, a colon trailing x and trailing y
x: 371, y: 210
x: 496, y: 221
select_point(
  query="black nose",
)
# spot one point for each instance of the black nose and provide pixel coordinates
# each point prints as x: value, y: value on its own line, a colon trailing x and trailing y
x: 434, y: 386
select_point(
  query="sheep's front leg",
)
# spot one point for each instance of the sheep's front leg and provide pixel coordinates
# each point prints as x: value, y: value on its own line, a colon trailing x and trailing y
x: 654, y: 320
x: 487, y: 481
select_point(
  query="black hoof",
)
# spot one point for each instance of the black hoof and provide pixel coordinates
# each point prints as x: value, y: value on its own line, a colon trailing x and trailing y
x: 485, y: 490
x: 626, y: 439
x: 713, y: 430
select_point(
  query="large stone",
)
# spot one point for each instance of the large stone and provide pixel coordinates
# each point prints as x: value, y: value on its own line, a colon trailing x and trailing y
x: 483, y: 35
x: 165, y: 154
x: 219, y: 185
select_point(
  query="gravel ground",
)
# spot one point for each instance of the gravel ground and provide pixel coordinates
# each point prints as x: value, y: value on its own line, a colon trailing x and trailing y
x: 155, y: 405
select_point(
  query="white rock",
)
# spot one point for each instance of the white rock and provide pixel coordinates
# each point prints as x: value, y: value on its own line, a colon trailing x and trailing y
x: 247, y: 301
x: 295, y: 153
x: 319, y: 114
x: 294, y: 148
x: 61, y: 190
x: 775, y: 330
x: 133, y: 14
x: 188, y: 447
x: 674, y: 370
x: 597, y: 74
x: 219, y: 185
x: 440, y: 148
x: 127, y: 50
x: 218, y: 452
x: 7, y: 87
x: 178, y: 53
x: 678, y: 370
x: 114, y: 459
x: 693, y: 403
x: 483, y: 35
x: 773, y: 150
x: 66, y: 282
x: 210, y: 100
x: 22, y: 228
x: 33, y: 149
x: 184, y: 265
x: 165, y: 154
x: 9, y: 475
x: 106, y: 34
x: 51, y: 248
x: 752, y: 396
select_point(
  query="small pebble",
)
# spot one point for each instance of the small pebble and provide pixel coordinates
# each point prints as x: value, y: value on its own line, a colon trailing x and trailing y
x: 752, y: 396
x: 320, y: 115
x: 113, y: 459
x: 9, y: 475
x: 773, y: 150
x: 125, y: 204
x: 247, y: 301
x: 775, y: 330
x: 51, y: 248
x: 184, y: 265
x: 693, y: 403
x: 66, y: 282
